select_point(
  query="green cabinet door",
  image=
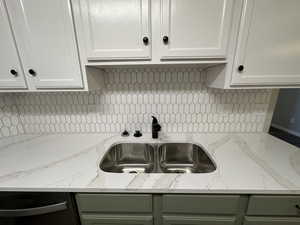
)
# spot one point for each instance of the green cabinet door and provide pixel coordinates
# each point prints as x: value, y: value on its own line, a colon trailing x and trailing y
x: 273, y: 205
x: 201, y: 204
x: 114, y: 203
x: 198, y: 220
x: 96, y: 219
x: 251, y: 220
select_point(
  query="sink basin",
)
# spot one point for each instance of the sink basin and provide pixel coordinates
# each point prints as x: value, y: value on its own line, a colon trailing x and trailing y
x: 184, y: 158
x: 156, y: 158
x: 129, y: 158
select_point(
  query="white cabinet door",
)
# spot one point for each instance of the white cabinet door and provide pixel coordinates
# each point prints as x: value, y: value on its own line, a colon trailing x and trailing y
x: 114, y: 30
x: 11, y: 74
x: 268, y: 51
x: 46, y: 39
x: 195, y: 28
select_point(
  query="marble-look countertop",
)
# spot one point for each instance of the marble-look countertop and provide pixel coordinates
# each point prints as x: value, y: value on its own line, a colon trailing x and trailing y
x: 246, y: 163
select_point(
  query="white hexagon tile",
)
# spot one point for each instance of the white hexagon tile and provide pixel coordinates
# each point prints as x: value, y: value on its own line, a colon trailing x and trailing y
x: 9, y: 117
x: 177, y: 96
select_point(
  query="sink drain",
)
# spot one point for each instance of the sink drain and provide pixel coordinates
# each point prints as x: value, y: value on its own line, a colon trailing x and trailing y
x: 133, y: 170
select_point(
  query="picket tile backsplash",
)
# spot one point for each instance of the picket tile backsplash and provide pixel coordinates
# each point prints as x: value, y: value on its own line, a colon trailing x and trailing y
x: 9, y: 117
x: 177, y: 96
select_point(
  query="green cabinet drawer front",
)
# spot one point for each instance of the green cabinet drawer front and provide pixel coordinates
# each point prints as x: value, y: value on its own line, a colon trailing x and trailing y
x: 198, y: 220
x: 201, y: 204
x: 114, y: 203
x: 274, y: 205
x: 249, y: 220
x: 93, y: 219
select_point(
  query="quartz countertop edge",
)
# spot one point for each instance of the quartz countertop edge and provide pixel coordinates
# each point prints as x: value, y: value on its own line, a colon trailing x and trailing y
x: 247, y: 163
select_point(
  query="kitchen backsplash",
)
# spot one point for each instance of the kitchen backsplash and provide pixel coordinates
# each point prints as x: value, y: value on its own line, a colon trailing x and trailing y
x: 177, y: 96
x: 10, y: 124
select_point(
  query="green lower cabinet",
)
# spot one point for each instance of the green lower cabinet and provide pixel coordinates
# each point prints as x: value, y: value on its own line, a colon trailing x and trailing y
x: 249, y: 220
x: 114, y: 203
x: 189, y: 209
x: 273, y: 205
x: 198, y: 220
x: 94, y: 219
x: 201, y: 204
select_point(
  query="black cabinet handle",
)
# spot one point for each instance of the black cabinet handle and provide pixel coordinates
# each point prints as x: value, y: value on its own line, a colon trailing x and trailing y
x: 297, y: 207
x: 165, y: 39
x: 32, y: 72
x: 14, y: 72
x: 145, y: 40
x: 241, y: 68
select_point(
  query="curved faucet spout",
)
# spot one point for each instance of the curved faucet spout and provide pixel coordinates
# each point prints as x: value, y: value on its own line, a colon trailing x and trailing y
x: 156, y: 127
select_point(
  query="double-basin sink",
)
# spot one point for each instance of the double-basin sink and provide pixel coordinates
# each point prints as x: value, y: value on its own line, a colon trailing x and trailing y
x: 157, y: 158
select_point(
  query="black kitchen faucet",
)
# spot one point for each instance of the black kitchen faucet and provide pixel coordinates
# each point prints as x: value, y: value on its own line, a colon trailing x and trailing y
x: 155, y: 128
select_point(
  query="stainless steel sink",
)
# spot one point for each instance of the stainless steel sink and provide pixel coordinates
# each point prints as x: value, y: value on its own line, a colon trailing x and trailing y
x: 184, y: 158
x: 129, y: 158
x: 157, y: 158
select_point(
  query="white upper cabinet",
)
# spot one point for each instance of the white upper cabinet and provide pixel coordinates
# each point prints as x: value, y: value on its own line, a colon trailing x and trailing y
x: 46, y: 45
x: 11, y: 74
x: 46, y: 40
x: 120, y: 30
x: 117, y: 29
x: 193, y: 29
x: 268, y: 50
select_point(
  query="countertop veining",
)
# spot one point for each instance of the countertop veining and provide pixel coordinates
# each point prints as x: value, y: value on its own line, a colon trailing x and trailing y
x: 246, y: 163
